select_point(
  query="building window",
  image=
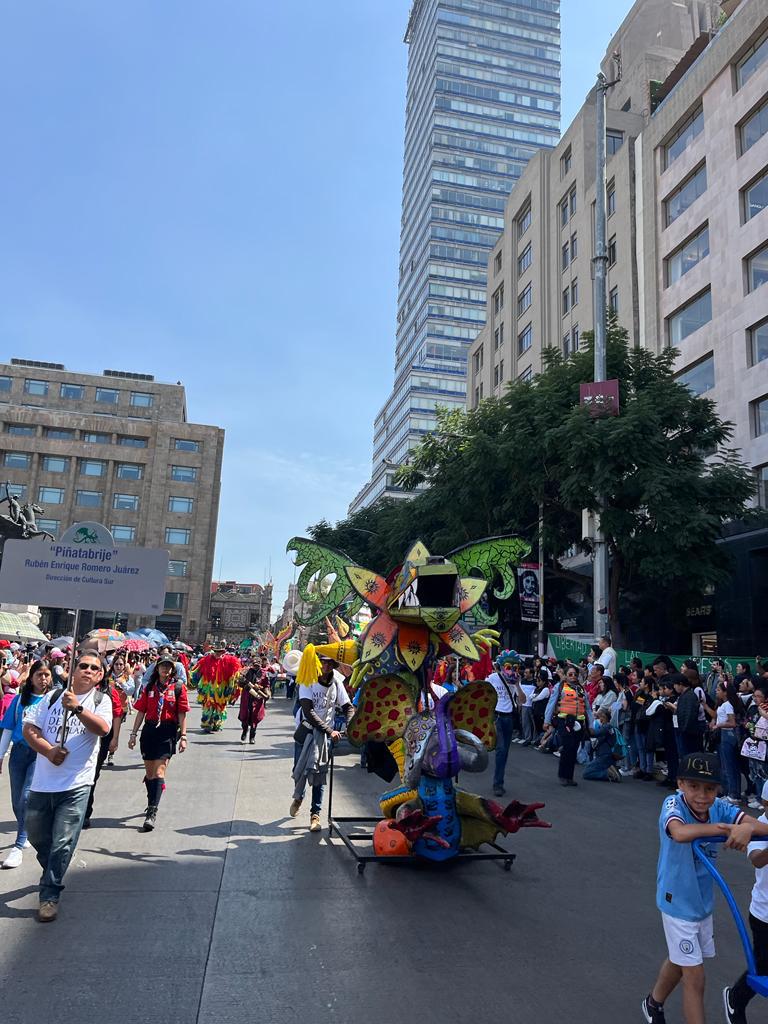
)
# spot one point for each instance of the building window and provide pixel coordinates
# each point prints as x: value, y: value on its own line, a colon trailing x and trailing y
x: 92, y: 467
x: 129, y: 471
x: 477, y: 397
x: 525, y: 339
x: 574, y: 247
x: 76, y: 391
x: 174, y: 602
x: 572, y: 200
x: 18, y: 491
x: 565, y: 256
x: 497, y: 262
x: 754, y: 58
x: 123, y: 534
x: 566, y: 300
x: 757, y: 337
x: 478, y: 360
x: 526, y: 376
x: 182, y: 445
x: 760, y: 417
x: 611, y: 250
x: 36, y: 387
x: 756, y: 197
x: 498, y: 337
x: 683, y: 137
x: 611, y: 199
x: 50, y: 495
x: 523, y: 221
x: 176, y: 504
x: 685, y: 195
x: 575, y: 339
x: 761, y: 473
x: 49, y: 525
x: 574, y: 292
x: 700, y: 377
x: 613, y: 300
x: 567, y: 344
x: 614, y: 139
x: 20, y: 430
x: 524, y: 299
x: 184, y: 474
x: 17, y: 460
x: 126, y: 502
x: 754, y: 128
x: 141, y: 400
x: 495, y: 376
x: 55, y: 464
x: 5, y: 383
x: 524, y: 260
x: 566, y: 162
x: 757, y: 269
x: 96, y: 438
x: 688, y: 255
x: 88, y: 499
x: 175, y: 536
x: 133, y: 442
x: 59, y: 434
x: 689, y: 318
x: 176, y: 567
x: 109, y: 396
x: 498, y: 300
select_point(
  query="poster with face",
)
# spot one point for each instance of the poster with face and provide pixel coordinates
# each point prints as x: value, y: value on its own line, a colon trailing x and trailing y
x: 528, y: 586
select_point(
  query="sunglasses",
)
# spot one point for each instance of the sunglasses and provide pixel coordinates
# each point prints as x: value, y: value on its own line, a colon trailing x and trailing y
x: 87, y: 666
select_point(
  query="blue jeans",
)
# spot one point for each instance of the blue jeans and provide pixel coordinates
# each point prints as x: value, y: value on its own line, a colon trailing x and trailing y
x: 317, y: 791
x: 21, y: 768
x: 54, y: 822
x: 597, y: 769
x: 645, y: 757
x: 729, y: 759
x: 504, y: 729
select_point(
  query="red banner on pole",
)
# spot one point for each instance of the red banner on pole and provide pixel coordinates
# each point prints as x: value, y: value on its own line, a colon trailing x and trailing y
x: 601, y: 397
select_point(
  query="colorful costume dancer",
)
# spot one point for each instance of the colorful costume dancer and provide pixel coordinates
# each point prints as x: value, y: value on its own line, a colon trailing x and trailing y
x: 216, y: 676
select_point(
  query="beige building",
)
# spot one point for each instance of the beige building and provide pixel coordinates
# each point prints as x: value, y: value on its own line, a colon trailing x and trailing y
x: 239, y: 610
x: 116, y: 448
x: 540, y: 273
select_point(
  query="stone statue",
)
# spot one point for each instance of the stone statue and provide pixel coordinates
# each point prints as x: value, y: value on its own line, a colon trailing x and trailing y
x: 21, y: 522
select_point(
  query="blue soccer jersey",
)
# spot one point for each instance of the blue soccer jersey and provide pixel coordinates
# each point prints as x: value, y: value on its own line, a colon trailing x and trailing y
x: 683, y: 884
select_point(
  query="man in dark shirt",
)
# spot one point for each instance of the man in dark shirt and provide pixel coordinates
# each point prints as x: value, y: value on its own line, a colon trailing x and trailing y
x: 689, y: 725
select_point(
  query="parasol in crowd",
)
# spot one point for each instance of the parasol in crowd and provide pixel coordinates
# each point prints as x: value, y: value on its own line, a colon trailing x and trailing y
x: 154, y: 636
x: 134, y: 643
x: 103, y: 640
x: 179, y: 646
x: 62, y: 641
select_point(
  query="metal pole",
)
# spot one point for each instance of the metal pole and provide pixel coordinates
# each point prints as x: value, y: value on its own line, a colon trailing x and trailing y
x: 72, y: 663
x: 542, y: 642
x: 600, y: 261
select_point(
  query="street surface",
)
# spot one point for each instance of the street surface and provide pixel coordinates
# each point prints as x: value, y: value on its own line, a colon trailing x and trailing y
x: 231, y: 911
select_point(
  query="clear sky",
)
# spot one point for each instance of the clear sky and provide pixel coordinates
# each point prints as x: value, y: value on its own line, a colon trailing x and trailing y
x: 210, y: 192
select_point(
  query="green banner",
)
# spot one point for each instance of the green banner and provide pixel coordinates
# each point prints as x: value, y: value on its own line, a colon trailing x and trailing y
x: 565, y: 646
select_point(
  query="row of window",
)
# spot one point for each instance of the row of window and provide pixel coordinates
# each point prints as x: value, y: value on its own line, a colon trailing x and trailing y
x: 754, y: 197
x: 76, y: 392
x: 95, y: 467
x: 94, y: 499
x: 179, y: 444
x: 700, y: 377
x: 570, y: 296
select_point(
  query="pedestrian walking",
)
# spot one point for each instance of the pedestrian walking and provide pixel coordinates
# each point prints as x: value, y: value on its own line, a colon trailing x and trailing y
x: 21, y: 762
x: 107, y: 744
x: 506, y: 683
x: 161, y: 715
x: 64, y: 730
x: 254, y: 695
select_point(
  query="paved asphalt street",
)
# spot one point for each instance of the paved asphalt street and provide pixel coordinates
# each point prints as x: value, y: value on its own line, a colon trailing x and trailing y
x: 232, y: 911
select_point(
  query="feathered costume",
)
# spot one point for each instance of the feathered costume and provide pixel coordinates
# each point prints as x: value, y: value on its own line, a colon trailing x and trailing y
x: 217, y: 683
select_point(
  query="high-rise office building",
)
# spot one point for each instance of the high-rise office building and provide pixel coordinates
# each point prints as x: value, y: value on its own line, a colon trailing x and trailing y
x: 483, y: 96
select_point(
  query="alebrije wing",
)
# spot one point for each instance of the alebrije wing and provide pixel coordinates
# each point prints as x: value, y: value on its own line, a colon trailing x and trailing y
x: 494, y: 559
x: 471, y: 708
x: 385, y: 706
x: 320, y: 563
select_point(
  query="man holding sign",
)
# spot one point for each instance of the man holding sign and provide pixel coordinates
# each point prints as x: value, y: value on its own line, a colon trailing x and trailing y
x: 64, y: 729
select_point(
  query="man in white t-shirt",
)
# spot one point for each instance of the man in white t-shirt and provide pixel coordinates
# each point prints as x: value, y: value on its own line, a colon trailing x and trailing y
x: 64, y: 730
x: 607, y: 656
x: 318, y: 704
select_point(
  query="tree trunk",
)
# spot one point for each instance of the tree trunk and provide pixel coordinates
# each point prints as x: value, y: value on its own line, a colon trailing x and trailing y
x: 614, y: 591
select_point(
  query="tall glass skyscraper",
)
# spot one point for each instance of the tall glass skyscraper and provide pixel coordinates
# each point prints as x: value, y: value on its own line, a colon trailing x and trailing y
x: 483, y: 96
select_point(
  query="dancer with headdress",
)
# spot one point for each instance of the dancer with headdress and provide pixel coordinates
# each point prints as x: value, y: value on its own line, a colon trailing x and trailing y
x: 217, y: 678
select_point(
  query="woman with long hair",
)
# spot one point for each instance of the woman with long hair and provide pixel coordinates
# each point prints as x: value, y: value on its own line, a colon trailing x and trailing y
x: 727, y: 727
x: 21, y: 763
x: 162, y: 708
x: 119, y: 678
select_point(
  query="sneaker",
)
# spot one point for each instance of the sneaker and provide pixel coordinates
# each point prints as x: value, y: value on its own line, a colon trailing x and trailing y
x: 653, y: 1014
x: 626, y: 773
x: 613, y: 774
x: 14, y: 858
x: 48, y: 911
x: 732, y: 1015
x: 498, y: 791
x: 110, y: 761
x: 314, y: 823
x: 754, y: 803
x: 557, y: 753
x: 567, y: 782
x: 293, y: 810
x: 149, y: 821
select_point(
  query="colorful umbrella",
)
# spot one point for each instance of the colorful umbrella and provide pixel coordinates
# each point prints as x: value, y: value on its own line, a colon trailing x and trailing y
x: 103, y: 640
x: 105, y: 634
x: 153, y: 635
x: 134, y: 643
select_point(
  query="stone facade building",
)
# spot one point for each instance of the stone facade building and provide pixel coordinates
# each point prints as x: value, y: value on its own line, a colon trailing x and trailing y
x: 117, y: 448
x: 239, y: 610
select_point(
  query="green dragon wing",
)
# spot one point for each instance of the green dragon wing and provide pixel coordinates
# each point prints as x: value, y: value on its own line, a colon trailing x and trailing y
x: 492, y: 558
x: 320, y: 563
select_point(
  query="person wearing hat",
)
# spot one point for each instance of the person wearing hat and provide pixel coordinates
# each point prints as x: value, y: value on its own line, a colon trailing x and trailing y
x: 217, y: 678
x: 162, y: 708
x: 684, y: 888
x: 509, y: 698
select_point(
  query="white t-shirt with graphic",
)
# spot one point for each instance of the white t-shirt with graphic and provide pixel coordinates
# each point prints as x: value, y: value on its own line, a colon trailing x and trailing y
x: 325, y: 700
x: 79, y: 766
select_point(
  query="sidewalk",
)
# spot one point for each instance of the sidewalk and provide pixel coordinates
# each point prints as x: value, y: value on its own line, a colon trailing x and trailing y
x: 231, y: 910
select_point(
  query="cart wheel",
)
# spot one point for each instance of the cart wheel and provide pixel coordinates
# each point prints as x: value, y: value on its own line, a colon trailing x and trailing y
x: 507, y: 865
x: 360, y: 867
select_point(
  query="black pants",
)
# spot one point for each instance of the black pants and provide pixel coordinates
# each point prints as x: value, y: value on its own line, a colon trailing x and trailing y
x: 245, y: 730
x: 103, y: 751
x: 741, y: 993
x: 569, y: 748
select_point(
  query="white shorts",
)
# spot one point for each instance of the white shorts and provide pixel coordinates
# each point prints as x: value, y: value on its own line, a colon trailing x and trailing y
x: 688, y: 942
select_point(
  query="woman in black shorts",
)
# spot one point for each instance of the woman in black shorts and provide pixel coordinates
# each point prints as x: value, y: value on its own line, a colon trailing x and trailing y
x: 162, y: 707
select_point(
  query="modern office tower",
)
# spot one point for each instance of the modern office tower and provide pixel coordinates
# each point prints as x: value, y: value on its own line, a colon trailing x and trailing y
x: 483, y: 96
x: 116, y: 448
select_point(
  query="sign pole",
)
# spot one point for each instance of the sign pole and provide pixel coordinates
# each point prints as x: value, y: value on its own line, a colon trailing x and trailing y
x: 72, y: 661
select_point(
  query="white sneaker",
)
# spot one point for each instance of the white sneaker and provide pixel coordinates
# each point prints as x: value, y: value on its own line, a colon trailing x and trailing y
x: 754, y: 803
x: 14, y: 858
x: 626, y: 772
x: 557, y: 753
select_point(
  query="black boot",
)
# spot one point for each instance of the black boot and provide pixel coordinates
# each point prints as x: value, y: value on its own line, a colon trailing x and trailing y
x: 149, y: 821
x: 253, y: 736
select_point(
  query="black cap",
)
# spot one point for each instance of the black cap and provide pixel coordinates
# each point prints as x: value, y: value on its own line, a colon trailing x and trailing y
x: 701, y: 767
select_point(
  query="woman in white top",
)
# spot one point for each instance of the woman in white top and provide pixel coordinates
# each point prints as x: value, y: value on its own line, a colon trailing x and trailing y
x: 726, y: 726
x: 606, y: 697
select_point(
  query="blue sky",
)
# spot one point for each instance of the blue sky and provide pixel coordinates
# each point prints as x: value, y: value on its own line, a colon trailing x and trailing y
x: 210, y: 192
